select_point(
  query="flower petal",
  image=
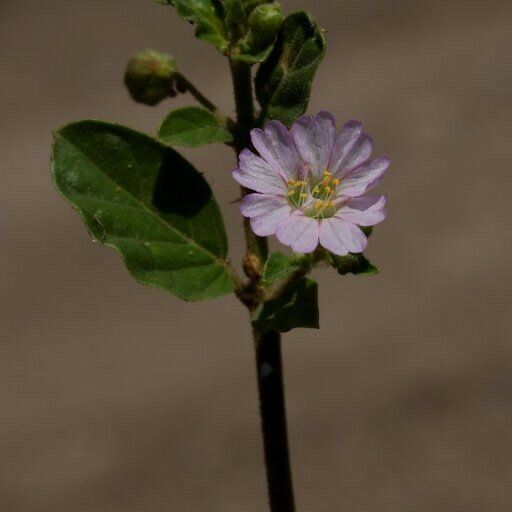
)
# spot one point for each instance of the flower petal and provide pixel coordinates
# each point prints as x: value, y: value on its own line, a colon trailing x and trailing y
x: 298, y: 231
x: 254, y: 173
x: 276, y: 146
x: 265, y: 211
x: 343, y: 144
x: 364, y: 210
x: 364, y: 177
x: 358, y: 154
x: 314, y: 138
x: 341, y: 237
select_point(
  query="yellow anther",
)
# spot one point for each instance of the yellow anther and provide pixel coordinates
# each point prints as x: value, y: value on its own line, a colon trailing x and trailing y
x: 327, y: 173
x: 336, y: 182
x: 303, y: 195
x: 319, y: 205
x: 328, y: 190
x: 316, y: 190
x: 291, y: 192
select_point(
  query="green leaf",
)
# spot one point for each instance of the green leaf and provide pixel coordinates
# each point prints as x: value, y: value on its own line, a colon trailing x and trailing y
x: 353, y: 264
x: 207, y: 16
x: 297, y: 307
x: 283, y: 81
x: 193, y: 127
x: 279, y: 266
x: 148, y: 203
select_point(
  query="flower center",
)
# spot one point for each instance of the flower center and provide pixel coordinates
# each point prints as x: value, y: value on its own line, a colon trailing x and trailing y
x: 314, y: 197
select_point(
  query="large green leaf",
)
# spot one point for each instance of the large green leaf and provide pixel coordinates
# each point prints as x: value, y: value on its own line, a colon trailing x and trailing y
x: 283, y: 81
x: 296, y: 307
x: 207, y: 16
x: 148, y: 203
x: 192, y: 126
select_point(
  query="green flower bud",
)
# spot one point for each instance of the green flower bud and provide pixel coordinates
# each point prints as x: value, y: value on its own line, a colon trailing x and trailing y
x: 150, y: 77
x: 264, y: 24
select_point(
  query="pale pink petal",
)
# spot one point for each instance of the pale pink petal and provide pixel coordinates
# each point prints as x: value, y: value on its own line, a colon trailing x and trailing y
x: 363, y: 178
x: 341, y: 237
x: 265, y: 211
x: 314, y: 139
x: 343, y: 144
x: 255, y: 174
x: 363, y: 210
x: 276, y: 146
x: 359, y: 154
x: 298, y: 231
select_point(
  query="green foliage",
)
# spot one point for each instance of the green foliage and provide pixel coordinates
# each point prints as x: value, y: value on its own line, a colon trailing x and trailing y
x: 279, y: 266
x: 148, y: 203
x: 192, y: 126
x: 207, y: 16
x: 297, y: 306
x: 284, y: 80
x: 353, y: 264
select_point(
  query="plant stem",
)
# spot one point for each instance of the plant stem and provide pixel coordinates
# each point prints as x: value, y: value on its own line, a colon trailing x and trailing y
x: 273, y: 421
x: 242, y: 85
x: 267, y: 344
x: 203, y: 100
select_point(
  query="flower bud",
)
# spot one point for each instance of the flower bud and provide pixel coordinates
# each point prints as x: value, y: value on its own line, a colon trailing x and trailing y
x: 150, y: 76
x: 264, y: 23
x: 251, y: 266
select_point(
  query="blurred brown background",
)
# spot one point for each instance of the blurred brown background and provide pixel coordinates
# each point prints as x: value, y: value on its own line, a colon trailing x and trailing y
x: 115, y: 397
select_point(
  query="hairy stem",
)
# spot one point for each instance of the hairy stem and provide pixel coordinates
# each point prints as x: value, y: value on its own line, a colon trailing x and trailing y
x: 273, y: 421
x: 267, y: 344
x: 242, y: 85
x: 186, y: 85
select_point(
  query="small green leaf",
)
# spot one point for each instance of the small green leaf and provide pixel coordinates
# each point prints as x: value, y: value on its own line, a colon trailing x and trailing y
x: 297, y: 307
x: 147, y: 202
x: 207, y: 16
x: 279, y: 266
x: 353, y: 264
x: 283, y: 81
x: 193, y: 127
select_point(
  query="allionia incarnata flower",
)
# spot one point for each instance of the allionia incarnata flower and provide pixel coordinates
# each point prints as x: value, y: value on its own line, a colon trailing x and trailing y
x: 310, y: 182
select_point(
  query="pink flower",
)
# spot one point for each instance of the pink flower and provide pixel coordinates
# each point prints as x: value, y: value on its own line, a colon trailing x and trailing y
x: 310, y: 184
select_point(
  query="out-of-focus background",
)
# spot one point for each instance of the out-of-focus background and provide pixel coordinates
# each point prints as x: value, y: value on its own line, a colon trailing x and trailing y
x: 115, y: 397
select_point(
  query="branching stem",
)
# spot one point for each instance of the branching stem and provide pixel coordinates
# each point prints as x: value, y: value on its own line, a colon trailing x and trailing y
x: 267, y: 344
x: 186, y: 85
